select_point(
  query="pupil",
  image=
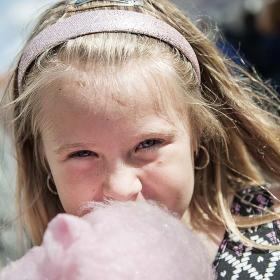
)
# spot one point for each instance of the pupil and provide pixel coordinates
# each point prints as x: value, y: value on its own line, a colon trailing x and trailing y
x: 148, y: 143
x: 83, y: 153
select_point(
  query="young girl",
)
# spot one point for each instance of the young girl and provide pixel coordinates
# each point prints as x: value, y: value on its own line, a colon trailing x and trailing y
x: 128, y: 100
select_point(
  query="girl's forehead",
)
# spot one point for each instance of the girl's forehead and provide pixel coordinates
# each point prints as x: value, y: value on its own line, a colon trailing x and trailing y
x: 116, y: 92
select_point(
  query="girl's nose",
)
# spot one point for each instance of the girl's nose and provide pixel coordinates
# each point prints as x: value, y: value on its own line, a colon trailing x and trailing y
x: 122, y: 184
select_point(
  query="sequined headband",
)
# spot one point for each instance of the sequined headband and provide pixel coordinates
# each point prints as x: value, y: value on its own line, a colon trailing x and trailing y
x: 100, y: 3
x: 96, y: 21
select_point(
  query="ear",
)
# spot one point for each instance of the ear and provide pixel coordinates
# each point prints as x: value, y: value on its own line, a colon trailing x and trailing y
x: 65, y: 229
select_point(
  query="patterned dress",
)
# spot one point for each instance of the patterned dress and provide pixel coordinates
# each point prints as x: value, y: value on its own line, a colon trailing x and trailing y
x: 236, y: 261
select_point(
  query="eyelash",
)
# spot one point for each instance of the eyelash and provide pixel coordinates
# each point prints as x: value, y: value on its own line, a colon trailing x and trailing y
x: 153, y: 147
x: 76, y: 154
x: 158, y: 142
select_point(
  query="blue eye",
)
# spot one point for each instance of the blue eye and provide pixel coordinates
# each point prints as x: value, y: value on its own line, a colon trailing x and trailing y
x: 82, y: 154
x: 149, y: 144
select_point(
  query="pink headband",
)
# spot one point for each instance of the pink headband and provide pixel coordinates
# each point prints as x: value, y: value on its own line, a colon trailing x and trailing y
x: 96, y: 21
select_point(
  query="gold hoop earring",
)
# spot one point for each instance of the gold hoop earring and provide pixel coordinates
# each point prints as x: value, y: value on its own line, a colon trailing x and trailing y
x: 207, y: 160
x: 48, y: 185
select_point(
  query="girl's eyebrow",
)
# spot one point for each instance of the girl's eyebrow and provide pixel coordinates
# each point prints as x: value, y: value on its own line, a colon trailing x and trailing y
x: 167, y: 133
x: 156, y: 134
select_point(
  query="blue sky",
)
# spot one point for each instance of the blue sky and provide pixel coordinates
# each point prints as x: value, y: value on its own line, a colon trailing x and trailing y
x: 16, y: 19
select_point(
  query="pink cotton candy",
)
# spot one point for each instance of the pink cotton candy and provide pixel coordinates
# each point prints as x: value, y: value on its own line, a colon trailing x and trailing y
x: 115, y: 241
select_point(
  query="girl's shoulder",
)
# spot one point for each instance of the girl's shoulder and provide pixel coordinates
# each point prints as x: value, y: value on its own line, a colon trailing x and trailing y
x: 237, y: 261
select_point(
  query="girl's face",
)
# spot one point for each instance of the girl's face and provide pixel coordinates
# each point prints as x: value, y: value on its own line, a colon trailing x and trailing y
x: 98, y: 146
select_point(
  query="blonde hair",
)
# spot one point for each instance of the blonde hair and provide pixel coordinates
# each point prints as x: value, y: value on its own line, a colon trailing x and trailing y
x: 231, y: 114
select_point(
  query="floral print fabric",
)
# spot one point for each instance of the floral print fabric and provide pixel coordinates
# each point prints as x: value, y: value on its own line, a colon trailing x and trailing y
x: 237, y: 261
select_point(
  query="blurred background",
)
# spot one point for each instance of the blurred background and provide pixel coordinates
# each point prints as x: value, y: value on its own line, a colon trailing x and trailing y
x: 249, y: 31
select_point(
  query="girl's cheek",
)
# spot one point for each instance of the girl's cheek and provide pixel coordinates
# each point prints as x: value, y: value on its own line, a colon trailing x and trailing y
x: 79, y: 175
x: 170, y: 174
x: 82, y: 168
x: 78, y: 183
